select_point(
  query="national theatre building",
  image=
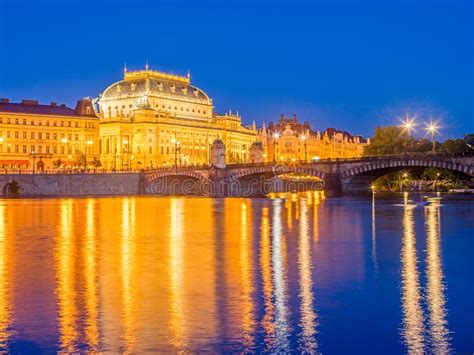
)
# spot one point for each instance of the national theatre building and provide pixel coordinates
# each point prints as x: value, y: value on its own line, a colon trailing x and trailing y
x: 154, y: 119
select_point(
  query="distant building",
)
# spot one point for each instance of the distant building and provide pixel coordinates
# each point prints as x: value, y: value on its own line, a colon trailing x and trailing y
x: 289, y: 140
x: 154, y: 119
x: 37, y: 135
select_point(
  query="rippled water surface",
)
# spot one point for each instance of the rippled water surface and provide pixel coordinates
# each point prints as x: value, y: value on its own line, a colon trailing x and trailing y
x: 388, y: 274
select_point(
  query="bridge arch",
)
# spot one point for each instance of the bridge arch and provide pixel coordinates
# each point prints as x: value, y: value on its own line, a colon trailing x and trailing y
x: 165, y: 183
x: 358, y: 178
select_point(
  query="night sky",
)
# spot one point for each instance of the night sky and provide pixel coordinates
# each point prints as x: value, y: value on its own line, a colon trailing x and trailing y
x: 352, y: 65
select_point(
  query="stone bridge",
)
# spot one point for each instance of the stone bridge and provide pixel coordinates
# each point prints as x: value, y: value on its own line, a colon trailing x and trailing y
x: 336, y: 177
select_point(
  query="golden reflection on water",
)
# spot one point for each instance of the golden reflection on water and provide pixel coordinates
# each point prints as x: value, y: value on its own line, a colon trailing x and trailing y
x: 137, y: 274
x: 128, y: 274
x: 267, y: 281
x: 282, y: 327
x: 5, y: 278
x: 176, y: 261
x: 308, y: 316
x: 437, y: 323
x: 90, y: 278
x: 66, y: 279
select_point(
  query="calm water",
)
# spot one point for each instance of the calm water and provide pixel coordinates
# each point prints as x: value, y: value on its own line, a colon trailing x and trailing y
x: 389, y: 274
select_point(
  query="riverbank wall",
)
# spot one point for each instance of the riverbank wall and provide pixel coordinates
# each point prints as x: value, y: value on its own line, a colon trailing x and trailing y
x: 50, y: 185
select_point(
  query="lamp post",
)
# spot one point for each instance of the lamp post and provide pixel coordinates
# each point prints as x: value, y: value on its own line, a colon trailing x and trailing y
x: 34, y: 160
x: 66, y: 143
x: 275, y: 137
x: 176, y: 148
x: 303, y: 137
x: 88, y: 144
x: 432, y: 129
x: 126, y: 151
x: 408, y: 124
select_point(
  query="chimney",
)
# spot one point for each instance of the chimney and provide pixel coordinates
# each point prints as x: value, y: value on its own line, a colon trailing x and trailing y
x: 4, y: 100
x: 294, y: 118
x: 53, y: 104
x: 63, y: 105
x: 29, y: 102
x: 281, y: 118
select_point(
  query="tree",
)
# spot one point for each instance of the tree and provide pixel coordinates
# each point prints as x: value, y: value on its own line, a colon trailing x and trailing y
x: 80, y: 159
x: 388, y: 140
x: 96, y: 163
x: 455, y: 146
x: 58, y: 164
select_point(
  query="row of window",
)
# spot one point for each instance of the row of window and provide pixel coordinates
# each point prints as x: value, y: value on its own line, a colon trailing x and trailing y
x: 24, y: 121
x: 40, y: 135
x: 38, y: 149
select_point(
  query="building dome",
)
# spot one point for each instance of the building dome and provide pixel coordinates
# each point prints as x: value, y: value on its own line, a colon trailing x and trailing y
x: 156, y: 84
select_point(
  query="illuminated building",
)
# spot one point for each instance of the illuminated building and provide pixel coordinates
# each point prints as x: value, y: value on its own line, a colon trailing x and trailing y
x: 153, y: 119
x: 43, y: 137
x: 289, y: 140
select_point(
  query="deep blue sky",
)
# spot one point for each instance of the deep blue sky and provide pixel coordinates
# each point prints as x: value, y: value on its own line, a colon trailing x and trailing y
x: 347, y: 64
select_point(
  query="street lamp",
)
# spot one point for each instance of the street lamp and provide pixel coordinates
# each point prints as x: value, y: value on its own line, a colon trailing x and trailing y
x: 276, y: 135
x: 408, y: 124
x: 34, y: 159
x: 125, y: 150
x: 176, y: 148
x: 303, y: 137
x: 88, y: 144
x: 432, y: 128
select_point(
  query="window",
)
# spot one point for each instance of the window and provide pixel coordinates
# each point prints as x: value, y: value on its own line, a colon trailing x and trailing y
x: 16, y: 135
x: 55, y: 150
x: 9, y: 120
x: 47, y: 135
x: 47, y: 149
x: 8, y: 134
x: 40, y: 135
x: 62, y: 123
x: 69, y: 124
x: 40, y: 149
x: 1, y: 120
x: 32, y: 149
x: 55, y: 136
x: 24, y: 135
x: 32, y: 135
x: 9, y: 148
x: 17, y: 121
x: 24, y: 121
x: 76, y: 137
x: 24, y: 149
x: 62, y: 150
x: 32, y: 123
x: 77, y: 124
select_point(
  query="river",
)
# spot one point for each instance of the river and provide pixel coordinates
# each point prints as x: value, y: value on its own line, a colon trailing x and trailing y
x: 294, y: 272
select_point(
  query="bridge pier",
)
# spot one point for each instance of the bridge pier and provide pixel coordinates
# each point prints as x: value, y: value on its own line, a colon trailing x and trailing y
x: 333, y: 185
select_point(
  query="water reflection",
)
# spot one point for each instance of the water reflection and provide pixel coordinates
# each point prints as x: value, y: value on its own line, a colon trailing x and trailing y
x: 282, y: 327
x: 435, y: 288
x: 66, y: 279
x: 5, y: 280
x: 423, y: 332
x: 276, y: 275
x: 413, y: 327
x: 308, y: 316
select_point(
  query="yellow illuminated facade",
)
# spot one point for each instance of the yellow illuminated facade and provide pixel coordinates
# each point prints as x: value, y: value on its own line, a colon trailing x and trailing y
x: 47, y: 136
x: 289, y: 140
x: 153, y: 119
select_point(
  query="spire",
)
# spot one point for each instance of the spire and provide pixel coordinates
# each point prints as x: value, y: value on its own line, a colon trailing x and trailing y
x: 189, y: 75
x: 125, y: 67
x: 254, y: 126
x: 146, y: 65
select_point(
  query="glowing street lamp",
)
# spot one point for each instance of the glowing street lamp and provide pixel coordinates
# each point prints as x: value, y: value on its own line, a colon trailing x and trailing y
x: 177, y: 147
x: 276, y: 135
x: 432, y: 128
x: 408, y: 125
x: 303, y: 137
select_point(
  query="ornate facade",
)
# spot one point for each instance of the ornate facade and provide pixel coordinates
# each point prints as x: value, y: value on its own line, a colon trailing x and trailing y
x: 289, y: 140
x: 44, y: 137
x: 153, y: 119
